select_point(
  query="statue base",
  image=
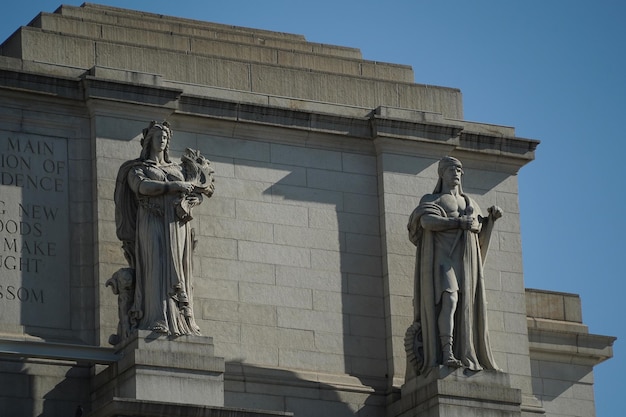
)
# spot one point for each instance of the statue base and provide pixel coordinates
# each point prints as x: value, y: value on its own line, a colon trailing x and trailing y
x: 452, y: 392
x: 155, y: 367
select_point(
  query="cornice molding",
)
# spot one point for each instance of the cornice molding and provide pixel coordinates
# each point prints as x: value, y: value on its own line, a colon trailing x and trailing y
x: 569, y: 347
x: 392, y: 130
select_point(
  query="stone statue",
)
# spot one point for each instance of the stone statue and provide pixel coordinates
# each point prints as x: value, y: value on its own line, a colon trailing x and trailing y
x: 154, y: 198
x: 122, y: 284
x: 452, y: 236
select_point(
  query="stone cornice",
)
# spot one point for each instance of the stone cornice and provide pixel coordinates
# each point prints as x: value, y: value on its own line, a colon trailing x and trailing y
x: 415, y: 130
x: 97, y: 88
x: 569, y: 347
x: 30, y: 348
x: 397, y: 130
x: 502, y: 145
x: 55, y: 86
x: 393, y: 130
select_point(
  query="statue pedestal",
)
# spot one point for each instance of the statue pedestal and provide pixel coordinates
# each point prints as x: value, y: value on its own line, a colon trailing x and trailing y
x: 449, y: 392
x: 153, y: 367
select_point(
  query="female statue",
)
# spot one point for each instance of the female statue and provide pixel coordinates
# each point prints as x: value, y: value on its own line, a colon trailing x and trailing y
x: 154, y: 197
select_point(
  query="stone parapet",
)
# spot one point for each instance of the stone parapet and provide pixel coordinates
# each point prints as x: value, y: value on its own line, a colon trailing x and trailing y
x: 90, y: 12
x: 556, y: 332
x: 140, y: 19
x: 198, y: 53
x: 367, y: 84
x: 47, y: 24
x: 552, y: 305
x: 563, y: 353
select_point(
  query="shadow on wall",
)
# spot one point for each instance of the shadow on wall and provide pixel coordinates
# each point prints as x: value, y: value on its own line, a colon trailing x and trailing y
x: 67, y: 396
x: 254, y: 387
x: 561, y: 385
x: 346, y: 277
x: 322, y: 209
x: 22, y: 383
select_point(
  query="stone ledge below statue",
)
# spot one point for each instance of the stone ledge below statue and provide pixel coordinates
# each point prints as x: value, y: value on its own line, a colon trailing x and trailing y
x: 449, y: 392
x: 155, y: 367
x: 124, y: 407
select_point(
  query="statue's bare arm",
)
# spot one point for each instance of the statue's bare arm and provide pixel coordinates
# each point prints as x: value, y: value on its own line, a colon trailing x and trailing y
x: 153, y: 187
x: 436, y: 223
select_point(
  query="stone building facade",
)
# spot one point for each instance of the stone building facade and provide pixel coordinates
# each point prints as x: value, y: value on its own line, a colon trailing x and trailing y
x: 304, y: 272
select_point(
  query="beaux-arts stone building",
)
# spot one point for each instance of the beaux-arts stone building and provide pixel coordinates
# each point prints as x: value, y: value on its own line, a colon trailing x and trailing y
x: 303, y: 268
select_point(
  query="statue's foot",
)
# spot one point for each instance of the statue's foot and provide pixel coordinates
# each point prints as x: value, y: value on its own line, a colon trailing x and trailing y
x: 453, y: 362
x: 160, y: 328
x: 448, y: 358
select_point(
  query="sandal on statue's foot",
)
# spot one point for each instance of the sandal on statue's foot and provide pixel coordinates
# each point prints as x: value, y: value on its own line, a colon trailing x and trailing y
x: 452, y: 362
x: 160, y: 328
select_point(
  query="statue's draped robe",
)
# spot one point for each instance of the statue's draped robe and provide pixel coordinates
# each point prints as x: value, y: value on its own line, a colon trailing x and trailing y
x: 439, y: 253
x: 159, y: 247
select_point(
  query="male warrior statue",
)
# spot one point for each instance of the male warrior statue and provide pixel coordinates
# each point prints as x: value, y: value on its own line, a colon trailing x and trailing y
x: 452, y: 237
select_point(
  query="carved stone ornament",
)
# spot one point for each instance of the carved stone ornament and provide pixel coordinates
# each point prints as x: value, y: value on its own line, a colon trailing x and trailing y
x: 154, y: 200
x: 452, y: 237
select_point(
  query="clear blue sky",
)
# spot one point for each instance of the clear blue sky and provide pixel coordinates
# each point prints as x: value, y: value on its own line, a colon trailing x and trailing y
x: 552, y: 69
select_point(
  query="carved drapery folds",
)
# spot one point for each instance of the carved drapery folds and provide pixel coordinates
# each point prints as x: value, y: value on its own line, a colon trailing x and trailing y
x: 154, y: 201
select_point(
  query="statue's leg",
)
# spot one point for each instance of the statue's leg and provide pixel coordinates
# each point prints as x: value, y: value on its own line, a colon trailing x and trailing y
x: 445, y: 322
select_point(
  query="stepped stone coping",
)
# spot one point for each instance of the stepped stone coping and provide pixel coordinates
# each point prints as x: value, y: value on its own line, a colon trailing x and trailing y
x: 10, y: 48
x: 141, y: 20
x: 202, y: 46
x: 289, y: 74
x: 239, y: 74
x: 111, y: 10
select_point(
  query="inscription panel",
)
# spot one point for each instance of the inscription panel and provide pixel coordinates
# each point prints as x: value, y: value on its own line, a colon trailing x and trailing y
x: 34, y: 232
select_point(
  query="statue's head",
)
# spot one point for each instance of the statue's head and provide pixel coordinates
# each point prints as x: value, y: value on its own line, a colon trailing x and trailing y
x: 444, y: 164
x: 154, y: 130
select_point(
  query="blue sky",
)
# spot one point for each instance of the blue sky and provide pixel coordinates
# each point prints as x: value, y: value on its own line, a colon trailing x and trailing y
x: 553, y: 70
